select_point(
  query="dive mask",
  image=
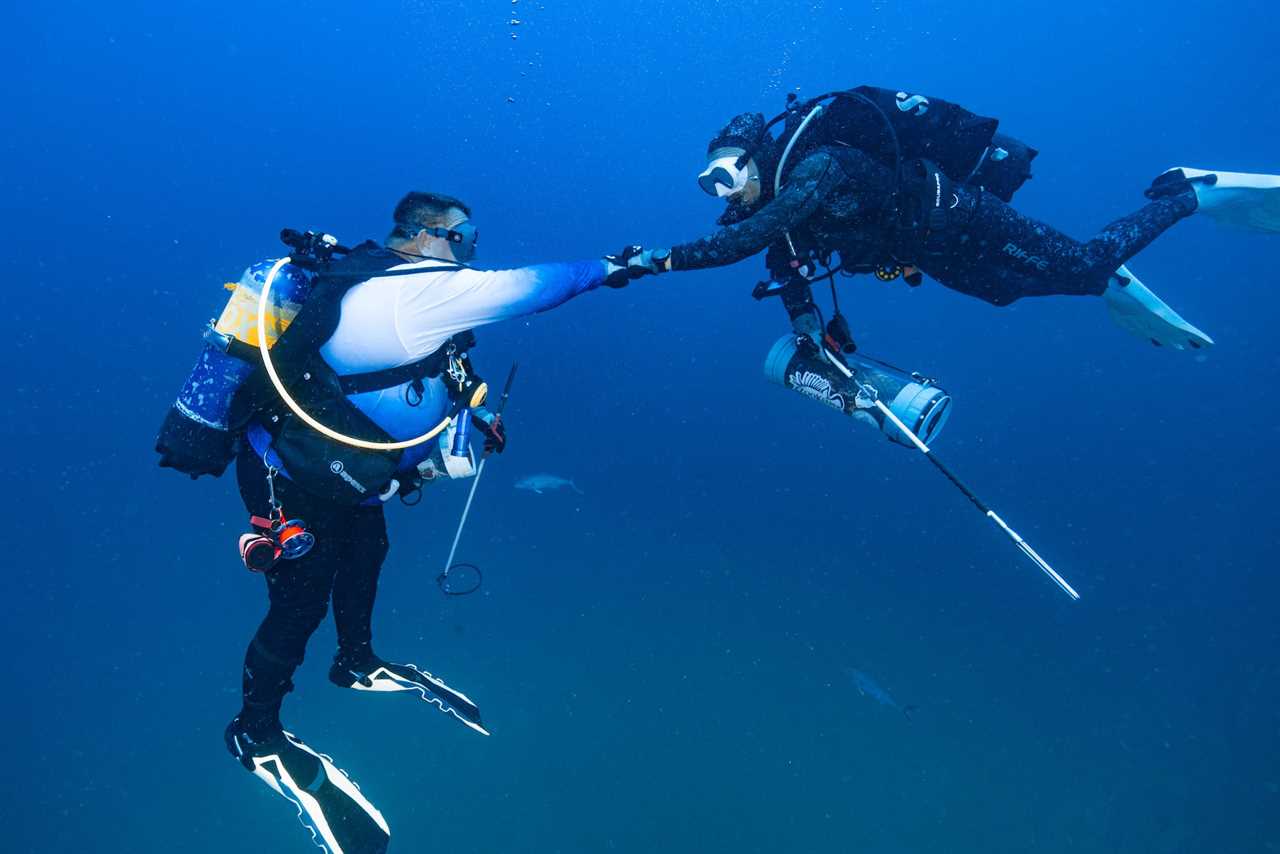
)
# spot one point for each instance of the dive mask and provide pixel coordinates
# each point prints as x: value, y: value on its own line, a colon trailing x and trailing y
x: 462, y: 238
x: 723, y: 176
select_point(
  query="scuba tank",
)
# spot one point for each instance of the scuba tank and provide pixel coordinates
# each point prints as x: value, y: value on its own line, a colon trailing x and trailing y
x: 897, y: 127
x: 794, y: 362
x: 199, y: 432
x: 278, y: 317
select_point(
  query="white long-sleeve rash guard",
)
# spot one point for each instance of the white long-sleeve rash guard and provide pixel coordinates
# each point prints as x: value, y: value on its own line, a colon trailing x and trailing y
x: 392, y: 321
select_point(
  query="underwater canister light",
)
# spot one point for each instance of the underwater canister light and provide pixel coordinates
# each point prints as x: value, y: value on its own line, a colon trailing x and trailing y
x: 859, y: 387
x: 795, y: 363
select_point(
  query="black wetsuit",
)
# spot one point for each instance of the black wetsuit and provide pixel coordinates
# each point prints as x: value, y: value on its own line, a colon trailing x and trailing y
x: 344, y: 565
x: 840, y: 199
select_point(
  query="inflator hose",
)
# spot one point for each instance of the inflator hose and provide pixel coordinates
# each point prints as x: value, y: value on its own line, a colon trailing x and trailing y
x: 293, y: 404
x: 777, y: 175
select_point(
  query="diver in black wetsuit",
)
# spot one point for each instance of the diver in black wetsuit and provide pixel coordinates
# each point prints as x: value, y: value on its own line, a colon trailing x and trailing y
x: 900, y: 184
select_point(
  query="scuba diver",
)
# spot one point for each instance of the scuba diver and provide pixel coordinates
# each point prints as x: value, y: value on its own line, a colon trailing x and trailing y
x: 337, y: 379
x: 898, y: 184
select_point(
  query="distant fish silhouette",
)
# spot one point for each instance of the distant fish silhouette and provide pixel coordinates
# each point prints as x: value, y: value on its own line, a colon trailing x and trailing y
x: 540, y: 483
x: 868, y: 687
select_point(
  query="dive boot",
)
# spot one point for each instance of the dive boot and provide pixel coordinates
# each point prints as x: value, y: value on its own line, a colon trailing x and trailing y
x: 1241, y: 199
x: 341, y: 819
x: 1136, y: 309
x: 364, y: 671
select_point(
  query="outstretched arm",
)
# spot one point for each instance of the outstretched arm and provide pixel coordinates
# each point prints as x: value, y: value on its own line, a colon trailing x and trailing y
x: 808, y: 185
x: 432, y: 306
x: 486, y: 296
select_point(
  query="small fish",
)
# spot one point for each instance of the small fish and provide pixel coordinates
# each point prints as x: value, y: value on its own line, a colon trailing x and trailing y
x: 868, y: 687
x: 540, y: 482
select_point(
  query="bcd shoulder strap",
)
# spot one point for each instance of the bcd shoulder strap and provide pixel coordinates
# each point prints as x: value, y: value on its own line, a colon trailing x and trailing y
x: 318, y: 319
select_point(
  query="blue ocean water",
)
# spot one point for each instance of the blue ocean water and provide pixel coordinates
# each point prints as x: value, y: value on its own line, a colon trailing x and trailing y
x: 663, y: 660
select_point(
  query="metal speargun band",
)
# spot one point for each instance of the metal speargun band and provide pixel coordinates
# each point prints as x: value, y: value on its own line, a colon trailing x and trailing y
x: 1022, y: 544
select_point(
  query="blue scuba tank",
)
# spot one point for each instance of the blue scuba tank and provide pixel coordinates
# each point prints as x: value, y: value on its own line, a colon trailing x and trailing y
x: 197, y: 436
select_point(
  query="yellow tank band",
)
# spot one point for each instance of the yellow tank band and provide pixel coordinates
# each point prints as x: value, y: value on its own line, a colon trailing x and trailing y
x: 240, y: 317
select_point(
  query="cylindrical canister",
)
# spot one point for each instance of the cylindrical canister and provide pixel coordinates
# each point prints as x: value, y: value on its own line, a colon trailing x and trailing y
x: 797, y: 364
x: 462, y: 434
x: 289, y: 290
x: 206, y: 395
x: 196, y: 437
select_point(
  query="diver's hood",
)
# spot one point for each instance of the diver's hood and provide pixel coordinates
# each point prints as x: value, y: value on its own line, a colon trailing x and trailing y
x: 743, y: 131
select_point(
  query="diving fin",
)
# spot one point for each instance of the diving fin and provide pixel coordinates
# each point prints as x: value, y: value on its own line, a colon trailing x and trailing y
x: 1240, y: 199
x: 341, y: 819
x: 1136, y: 309
x: 370, y: 673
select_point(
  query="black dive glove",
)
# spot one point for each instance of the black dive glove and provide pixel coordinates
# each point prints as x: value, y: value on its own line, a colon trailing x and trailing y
x: 634, y: 262
x: 495, y: 433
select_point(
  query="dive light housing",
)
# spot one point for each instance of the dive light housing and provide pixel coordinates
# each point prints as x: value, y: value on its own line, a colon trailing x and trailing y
x: 795, y: 362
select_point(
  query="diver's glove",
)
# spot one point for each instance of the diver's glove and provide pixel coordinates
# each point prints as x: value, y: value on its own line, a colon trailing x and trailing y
x: 494, y: 431
x: 634, y: 262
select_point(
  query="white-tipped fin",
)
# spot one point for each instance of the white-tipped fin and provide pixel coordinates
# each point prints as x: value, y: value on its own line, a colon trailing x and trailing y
x: 341, y: 819
x: 1240, y: 199
x: 1137, y: 310
x: 393, y: 678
